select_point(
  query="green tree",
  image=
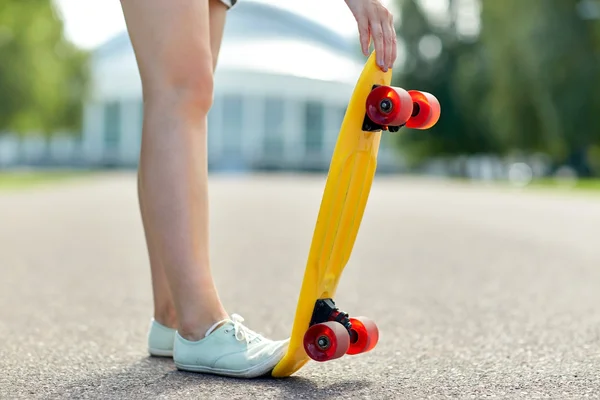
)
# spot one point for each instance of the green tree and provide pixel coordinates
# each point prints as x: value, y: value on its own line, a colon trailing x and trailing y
x: 544, y: 71
x: 448, y: 74
x: 528, y: 81
x: 42, y: 75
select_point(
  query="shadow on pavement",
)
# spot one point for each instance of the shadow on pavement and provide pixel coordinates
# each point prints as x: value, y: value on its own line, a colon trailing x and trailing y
x: 153, y: 378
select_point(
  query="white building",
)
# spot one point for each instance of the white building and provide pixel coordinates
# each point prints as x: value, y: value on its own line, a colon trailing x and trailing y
x: 282, y: 86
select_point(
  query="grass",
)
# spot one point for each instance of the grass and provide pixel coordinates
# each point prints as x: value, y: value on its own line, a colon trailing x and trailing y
x: 585, y: 186
x: 13, y: 180
x: 580, y: 184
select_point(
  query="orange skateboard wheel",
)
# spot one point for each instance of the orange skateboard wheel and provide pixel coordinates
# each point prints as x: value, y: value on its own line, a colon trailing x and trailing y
x: 426, y: 110
x: 364, y: 335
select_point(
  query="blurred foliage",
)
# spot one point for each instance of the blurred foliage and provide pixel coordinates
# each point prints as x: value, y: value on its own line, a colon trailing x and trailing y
x: 42, y: 75
x: 28, y: 179
x: 511, y: 75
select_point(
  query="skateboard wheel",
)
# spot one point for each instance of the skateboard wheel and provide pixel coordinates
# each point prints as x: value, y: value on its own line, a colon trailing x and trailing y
x: 364, y: 335
x: 326, y: 341
x: 426, y: 110
x: 389, y: 106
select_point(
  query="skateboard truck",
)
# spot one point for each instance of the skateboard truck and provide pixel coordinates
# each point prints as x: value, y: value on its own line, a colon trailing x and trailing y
x: 326, y: 310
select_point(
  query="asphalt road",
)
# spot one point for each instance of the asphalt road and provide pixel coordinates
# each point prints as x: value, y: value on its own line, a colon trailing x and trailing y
x: 477, y: 292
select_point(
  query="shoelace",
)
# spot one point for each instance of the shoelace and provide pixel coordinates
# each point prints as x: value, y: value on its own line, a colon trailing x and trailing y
x: 241, y: 331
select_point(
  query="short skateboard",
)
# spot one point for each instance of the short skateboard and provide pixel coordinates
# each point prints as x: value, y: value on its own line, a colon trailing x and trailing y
x: 321, y: 331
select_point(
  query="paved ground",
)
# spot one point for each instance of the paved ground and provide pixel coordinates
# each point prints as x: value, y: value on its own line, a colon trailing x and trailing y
x: 477, y: 292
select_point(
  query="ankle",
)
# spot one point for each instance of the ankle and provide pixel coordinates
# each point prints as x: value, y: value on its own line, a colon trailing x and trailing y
x: 196, y: 330
x: 166, y: 316
x: 191, y: 334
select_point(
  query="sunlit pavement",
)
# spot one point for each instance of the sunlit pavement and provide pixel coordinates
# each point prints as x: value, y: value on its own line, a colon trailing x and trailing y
x: 476, y: 291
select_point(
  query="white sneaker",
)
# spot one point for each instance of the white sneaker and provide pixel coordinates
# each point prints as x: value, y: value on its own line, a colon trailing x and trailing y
x: 230, y: 350
x: 160, y: 340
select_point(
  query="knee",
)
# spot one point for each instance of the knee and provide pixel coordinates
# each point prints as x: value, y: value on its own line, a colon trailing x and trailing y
x: 184, y: 84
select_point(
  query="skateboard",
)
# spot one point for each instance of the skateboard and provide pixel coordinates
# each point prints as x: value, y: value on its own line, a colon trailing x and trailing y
x: 321, y: 332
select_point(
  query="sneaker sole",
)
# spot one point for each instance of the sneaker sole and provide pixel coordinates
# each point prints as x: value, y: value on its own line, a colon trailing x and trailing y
x: 252, y: 372
x: 160, y: 353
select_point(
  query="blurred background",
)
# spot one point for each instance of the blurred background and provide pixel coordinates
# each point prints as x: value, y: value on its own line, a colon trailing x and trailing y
x: 477, y: 255
x: 519, y: 85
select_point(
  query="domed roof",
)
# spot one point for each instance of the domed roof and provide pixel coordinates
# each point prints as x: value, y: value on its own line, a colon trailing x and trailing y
x: 289, y: 57
x: 263, y: 38
x: 251, y: 20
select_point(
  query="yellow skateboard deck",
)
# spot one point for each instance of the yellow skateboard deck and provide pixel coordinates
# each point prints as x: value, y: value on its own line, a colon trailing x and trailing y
x: 347, y: 189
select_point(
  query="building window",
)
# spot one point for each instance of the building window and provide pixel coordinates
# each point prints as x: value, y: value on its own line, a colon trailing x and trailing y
x: 112, y: 124
x: 341, y: 115
x: 273, y: 123
x: 214, y: 127
x: 313, y: 127
x: 232, y: 113
x: 214, y: 114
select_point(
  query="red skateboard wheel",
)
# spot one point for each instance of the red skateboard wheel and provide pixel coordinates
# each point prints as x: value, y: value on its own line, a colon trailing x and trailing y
x: 389, y: 106
x: 326, y: 341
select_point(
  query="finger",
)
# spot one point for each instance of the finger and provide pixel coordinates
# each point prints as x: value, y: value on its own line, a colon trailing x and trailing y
x: 377, y: 34
x: 388, y: 44
x: 389, y: 41
x: 394, y: 47
x: 394, y: 42
x: 363, y: 32
x: 394, y: 54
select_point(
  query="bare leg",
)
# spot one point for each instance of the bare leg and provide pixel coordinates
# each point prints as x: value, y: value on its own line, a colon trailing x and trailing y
x: 171, y: 39
x: 164, y: 307
x: 217, y: 15
x: 177, y: 44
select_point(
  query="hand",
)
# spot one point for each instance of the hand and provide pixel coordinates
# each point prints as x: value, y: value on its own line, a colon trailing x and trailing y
x: 374, y: 20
